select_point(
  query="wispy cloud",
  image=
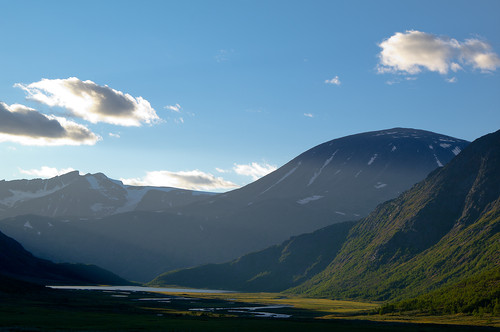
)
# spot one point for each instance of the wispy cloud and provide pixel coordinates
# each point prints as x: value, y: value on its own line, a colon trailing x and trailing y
x: 176, y: 108
x: 452, y: 80
x: 334, y: 81
x: 46, y: 171
x: 114, y: 135
x: 255, y: 170
x: 309, y: 115
x: 224, y: 55
x: 193, y: 180
x: 92, y: 102
x: 26, y: 126
x: 412, y: 51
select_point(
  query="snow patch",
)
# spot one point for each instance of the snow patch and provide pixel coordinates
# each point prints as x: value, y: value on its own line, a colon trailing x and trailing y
x: 20, y: 196
x: 393, y: 148
x: 357, y: 174
x: 444, y: 139
x: 437, y: 161
x: 444, y: 145
x: 341, y: 213
x: 431, y: 147
x: 284, y: 177
x: 380, y: 185
x: 316, y: 174
x: 94, y: 184
x: 309, y: 199
x: 28, y: 225
x: 373, y: 159
x: 456, y: 150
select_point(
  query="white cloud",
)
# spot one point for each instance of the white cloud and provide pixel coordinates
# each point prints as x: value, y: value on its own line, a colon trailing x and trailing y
x: 452, y: 80
x: 220, y: 170
x: 26, y: 126
x: 193, y: 180
x: 92, y: 102
x: 176, y: 108
x: 334, y: 81
x: 309, y: 115
x: 114, y: 135
x: 412, y: 51
x: 46, y: 172
x: 255, y: 170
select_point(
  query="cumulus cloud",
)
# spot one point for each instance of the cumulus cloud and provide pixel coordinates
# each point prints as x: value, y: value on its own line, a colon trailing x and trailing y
x: 46, y: 172
x: 24, y: 125
x: 193, y: 180
x: 255, y: 170
x: 92, y: 102
x: 412, y: 51
x: 334, y: 81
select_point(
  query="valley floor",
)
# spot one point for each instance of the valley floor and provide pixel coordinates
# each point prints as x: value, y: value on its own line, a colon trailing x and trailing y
x: 53, y: 310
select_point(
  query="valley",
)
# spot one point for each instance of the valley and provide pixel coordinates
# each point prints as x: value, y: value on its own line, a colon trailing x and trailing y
x: 130, y: 311
x: 427, y: 253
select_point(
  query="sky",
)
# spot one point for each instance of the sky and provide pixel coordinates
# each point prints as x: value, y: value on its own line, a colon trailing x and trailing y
x: 212, y: 95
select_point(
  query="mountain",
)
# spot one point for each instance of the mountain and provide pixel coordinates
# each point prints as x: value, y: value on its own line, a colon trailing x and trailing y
x: 86, y: 196
x: 444, y: 230
x: 18, y: 264
x: 271, y: 270
x: 340, y: 180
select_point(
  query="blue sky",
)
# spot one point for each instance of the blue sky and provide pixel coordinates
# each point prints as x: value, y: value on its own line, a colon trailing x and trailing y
x: 210, y: 95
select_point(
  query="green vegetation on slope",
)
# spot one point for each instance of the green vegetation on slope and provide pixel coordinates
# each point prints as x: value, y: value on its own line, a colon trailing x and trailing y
x: 443, y: 230
x: 478, y: 294
x: 271, y: 270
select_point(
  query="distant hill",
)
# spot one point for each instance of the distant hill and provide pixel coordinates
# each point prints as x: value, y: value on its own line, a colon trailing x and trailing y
x: 86, y: 196
x: 17, y: 263
x: 271, y: 270
x: 340, y: 180
x: 444, y: 230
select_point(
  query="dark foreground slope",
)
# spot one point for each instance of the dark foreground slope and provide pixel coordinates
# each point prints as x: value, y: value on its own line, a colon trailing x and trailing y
x: 340, y: 180
x: 271, y: 270
x: 443, y: 230
x: 17, y: 263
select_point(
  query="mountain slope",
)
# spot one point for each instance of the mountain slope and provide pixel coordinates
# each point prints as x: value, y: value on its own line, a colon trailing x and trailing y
x: 477, y: 294
x: 90, y: 195
x: 444, y: 229
x: 340, y: 180
x: 17, y: 263
x: 271, y: 270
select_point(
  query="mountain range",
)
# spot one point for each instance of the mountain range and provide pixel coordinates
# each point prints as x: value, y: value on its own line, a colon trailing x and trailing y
x: 87, y: 196
x: 340, y: 180
x: 435, y: 246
